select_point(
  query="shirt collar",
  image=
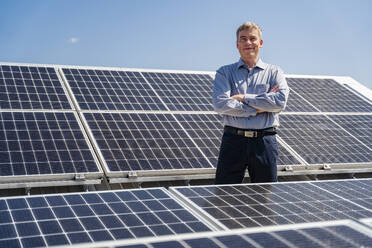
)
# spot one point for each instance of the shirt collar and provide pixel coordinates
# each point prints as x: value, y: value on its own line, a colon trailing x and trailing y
x: 259, y: 64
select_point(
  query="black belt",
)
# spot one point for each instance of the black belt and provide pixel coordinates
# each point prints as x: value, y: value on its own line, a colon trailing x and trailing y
x: 249, y: 132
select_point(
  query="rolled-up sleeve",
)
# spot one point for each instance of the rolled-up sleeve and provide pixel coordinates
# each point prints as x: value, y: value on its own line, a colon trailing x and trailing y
x: 271, y: 101
x: 222, y: 101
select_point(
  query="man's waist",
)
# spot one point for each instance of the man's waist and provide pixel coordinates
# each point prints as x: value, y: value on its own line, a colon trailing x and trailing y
x: 250, y: 133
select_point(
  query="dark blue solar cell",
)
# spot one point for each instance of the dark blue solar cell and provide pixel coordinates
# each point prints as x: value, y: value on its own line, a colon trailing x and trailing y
x: 161, y: 230
x: 184, y: 215
x: 92, y: 198
x: 109, y: 197
x: 167, y: 217
x: 101, y: 209
x: 133, y: 246
x: 80, y: 237
x: 7, y: 231
x: 56, y: 240
x: 154, y: 205
x: 121, y: 233
x: 63, y: 212
x: 119, y: 208
x: 17, y: 203
x: 180, y: 228
x: 56, y: 201
x: 49, y: 227
x: 82, y: 210
x: 100, y: 236
x: 142, y: 195
x: 141, y: 232
x: 33, y: 242
x: 3, y: 205
x: 111, y: 221
x: 5, y: 217
x: 27, y: 229
x: 71, y: 225
x: 43, y: 213
x: 130, y: 220
x: 137, y: 206
x: 204, y: 242
x: 22, y: 215
x: 91, y: 223
x: 169, y: 244
x: 149, y: 218
x: 198, y: 226
x: 233, y: 241
x: 14, y: 243
x: 157, y: 193
x: 171, y: 204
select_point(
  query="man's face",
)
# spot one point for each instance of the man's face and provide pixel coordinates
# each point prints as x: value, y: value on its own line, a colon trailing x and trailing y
x: 249, y: 44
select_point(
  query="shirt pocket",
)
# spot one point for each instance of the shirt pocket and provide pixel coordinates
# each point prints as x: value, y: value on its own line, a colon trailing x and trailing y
x: 261, y: 88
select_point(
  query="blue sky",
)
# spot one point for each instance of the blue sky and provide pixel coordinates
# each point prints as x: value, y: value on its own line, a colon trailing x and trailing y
x: 316, y: 37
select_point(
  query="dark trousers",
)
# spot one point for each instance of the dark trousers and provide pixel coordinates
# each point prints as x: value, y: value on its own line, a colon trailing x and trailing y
x: 237, y: 153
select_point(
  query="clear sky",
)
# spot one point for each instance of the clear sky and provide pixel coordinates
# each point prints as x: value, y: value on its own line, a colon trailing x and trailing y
x: 315, y: 37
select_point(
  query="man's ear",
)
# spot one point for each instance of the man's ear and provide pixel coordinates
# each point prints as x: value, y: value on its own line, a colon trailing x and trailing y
x: 261, y: 43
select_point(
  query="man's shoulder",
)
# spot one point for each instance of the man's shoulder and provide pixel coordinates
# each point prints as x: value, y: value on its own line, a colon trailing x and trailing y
x: 229, y: 67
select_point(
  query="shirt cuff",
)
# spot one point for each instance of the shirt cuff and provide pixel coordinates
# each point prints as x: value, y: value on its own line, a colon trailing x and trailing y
x: 248, y: 98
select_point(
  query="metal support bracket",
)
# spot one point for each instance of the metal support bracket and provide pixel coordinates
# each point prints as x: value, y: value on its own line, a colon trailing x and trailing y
x: 288, y: 168
x: 132, y: 174
x: 326, y: 167
x: 79, y: 177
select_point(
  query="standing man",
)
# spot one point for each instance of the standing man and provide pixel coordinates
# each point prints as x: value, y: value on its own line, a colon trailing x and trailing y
x: 249, y: 94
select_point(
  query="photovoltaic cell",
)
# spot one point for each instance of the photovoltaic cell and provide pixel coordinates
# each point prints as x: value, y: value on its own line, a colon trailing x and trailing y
x: 181, y: 91
x: 207, y: 130
x: 250, y: 205
x: 318, y: 140
x: 38, y: 143
x: 328, y: 96
x: 143, y: 141
x: 30, y: 87
x: 111, y: 90
x: 357, y: 125
x: 323, y: 234
x: 67, y: 219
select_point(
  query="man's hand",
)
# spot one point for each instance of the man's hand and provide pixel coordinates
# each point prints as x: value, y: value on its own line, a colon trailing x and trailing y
x: 239, y: 97
x: 274, y: 89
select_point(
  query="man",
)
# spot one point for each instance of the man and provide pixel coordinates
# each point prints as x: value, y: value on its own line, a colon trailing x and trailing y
x: 249, y: 95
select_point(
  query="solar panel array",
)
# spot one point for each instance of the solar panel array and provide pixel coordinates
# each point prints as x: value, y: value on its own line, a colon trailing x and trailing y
x: 323, y: 234
x: 41, y: 137
x: 158, y: 121
x: 66, y: 219
x: 252, y: 205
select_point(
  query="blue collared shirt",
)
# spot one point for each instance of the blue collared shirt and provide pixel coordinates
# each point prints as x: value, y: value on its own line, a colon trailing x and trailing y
x: 255, y: 85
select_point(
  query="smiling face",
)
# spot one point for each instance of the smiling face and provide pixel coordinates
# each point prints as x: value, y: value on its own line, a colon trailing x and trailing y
x: 249, y: 43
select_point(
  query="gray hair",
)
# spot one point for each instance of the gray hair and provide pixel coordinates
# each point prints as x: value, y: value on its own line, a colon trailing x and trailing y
x: 246, y: 26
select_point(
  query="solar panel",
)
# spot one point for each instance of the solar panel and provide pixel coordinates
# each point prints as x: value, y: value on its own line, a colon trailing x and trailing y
x: 251, y: 205
x: 356, y: 191
x: 182, y: 91
x: 320, y: 234
x: 357, y: 125
x: 31, y: 87
x: 144, y: 141
x: 91, y: 217
x: 207, y: 130
x: 43, y: 143
x: 111, y: 90
x: 318, y: 140
x: 328, y: 96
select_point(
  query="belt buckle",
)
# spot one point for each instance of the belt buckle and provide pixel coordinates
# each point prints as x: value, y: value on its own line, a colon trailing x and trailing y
x: 250, y: 134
